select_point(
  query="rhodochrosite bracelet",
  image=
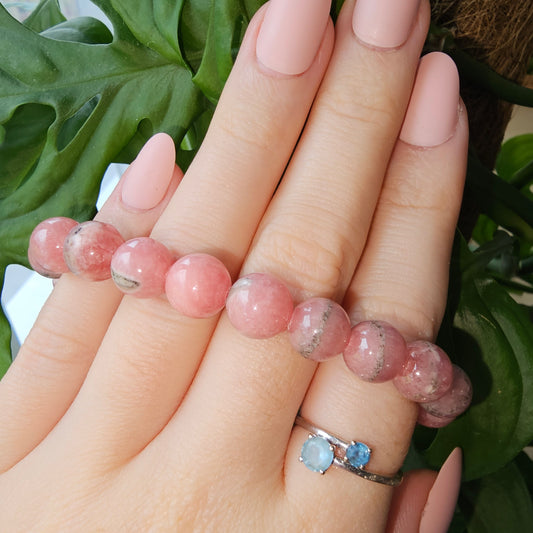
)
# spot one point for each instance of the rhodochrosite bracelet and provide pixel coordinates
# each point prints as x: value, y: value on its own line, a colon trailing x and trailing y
x: 259, y: 306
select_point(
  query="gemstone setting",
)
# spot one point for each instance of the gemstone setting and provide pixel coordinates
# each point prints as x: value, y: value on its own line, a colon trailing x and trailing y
x: 317, y: 454
x: 358, y: 454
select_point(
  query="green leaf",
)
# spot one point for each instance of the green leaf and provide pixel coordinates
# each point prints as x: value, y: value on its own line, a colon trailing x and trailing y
x: 524, y: 464
x: 86, y: 30
x: 502, y: 244
x: 484, y: 229
x: 5, y: 339
x: 498, y: 503
x: 515, y: 160
x: 502, y: 202
x: 130, y: 82
x: 219, y: 49
x: 45, y: 15
x: 23, y: 141
x: 153, y: 23
x: 336, y: 6
x: 211, y: 36
x: 491, y: 337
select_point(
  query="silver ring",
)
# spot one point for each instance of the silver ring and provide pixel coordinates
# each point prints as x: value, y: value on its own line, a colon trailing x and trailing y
x: 322, y: 449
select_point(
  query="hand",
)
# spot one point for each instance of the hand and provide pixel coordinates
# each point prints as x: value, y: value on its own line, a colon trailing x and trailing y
x: 121, y: 414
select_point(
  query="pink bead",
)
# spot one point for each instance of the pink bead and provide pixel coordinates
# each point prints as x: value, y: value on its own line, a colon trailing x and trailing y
x: 89, y: 248
x: 139, y: 267
x: 259, y: 306
x: 430, y: 421
x: 456, y: 400
x: 376, y: 351
x: 319, y: 329
x: 426, y: 374
x: 45, y: 251
x: 197, y: 285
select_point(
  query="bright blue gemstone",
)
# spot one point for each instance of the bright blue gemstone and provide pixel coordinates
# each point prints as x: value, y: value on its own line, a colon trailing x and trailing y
x: 358, y: 454
x: 317, y: 454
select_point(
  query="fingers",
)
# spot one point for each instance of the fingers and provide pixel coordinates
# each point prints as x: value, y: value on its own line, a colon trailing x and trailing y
x: 408, y: 501
x: 314, y: 230
x: 52, y: 364
x: 401, y: 278
x: 425, y: 501
x: 151, y: 352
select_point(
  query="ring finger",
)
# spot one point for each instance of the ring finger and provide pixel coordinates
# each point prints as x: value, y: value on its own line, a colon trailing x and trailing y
x: 402, y: 279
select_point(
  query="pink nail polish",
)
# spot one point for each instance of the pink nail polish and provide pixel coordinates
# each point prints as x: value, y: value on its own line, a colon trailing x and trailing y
x: 146, y: 180
x: 442, y: 499
x: 384, y: 23
x: 432, y: 114
x: 291, y: 34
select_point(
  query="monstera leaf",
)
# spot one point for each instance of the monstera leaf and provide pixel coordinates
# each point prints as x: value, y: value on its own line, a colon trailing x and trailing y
x: 490, y: 336
x: 75, y: 97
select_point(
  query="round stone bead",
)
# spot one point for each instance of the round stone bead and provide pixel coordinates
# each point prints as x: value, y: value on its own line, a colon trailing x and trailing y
x: 259, y: 306
x: 319, y: 329
x: 376, y: 351
x: 89, y: 248
x: 455, y: 400
x: 45, y: 250
x: 317, y: 454
x: 430, y: 421
x: 139, y: 267
x: 197, y: 285
x: 426, y: 374
x: 358, y: 454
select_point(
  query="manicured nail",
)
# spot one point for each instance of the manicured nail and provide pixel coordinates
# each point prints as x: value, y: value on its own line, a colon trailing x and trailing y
x: 146, y: 180
x: 442, y: 499
x: 432, y: 114
x: 384, y: 23
x: 291, y: 34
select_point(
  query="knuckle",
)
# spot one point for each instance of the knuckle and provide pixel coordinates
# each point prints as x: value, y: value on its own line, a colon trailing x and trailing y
x: 47, y: 349
x: 145, y: 364
x: 356, y: 105
x: 415, y: 185
x: 250, y: 122
x: 414, y: 317
x: 245, y: 135
x: 315, y: 262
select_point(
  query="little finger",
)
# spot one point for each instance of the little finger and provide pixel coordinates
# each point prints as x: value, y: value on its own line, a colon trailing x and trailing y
x: 53, y: 362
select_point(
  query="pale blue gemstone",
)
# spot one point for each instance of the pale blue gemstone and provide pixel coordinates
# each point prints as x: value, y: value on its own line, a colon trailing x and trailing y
x: 358, y: 454
x: 317, y: 454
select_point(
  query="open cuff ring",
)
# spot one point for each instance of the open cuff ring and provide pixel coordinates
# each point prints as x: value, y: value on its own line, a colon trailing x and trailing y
x: 322, y: 449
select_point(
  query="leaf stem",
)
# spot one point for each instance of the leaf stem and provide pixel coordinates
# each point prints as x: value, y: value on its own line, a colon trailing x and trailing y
x: 484, y: 77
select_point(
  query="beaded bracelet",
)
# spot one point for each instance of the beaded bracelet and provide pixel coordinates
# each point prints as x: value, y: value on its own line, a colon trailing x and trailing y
x: 259, y: 306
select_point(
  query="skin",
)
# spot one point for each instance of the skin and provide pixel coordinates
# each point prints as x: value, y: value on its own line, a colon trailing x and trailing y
x: 122, y: 415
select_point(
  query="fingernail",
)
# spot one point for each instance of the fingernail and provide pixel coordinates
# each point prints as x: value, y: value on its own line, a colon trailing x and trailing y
x: 442, y: 499
x: 432, y: 114
x: 146, y: 180
x: 291, y: 34
x: 384, y: 23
